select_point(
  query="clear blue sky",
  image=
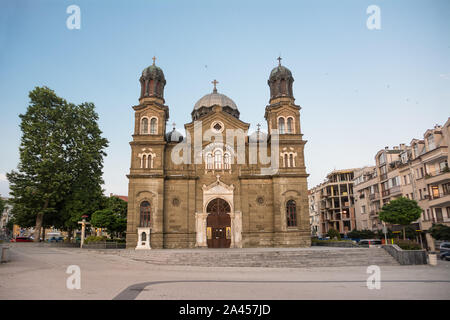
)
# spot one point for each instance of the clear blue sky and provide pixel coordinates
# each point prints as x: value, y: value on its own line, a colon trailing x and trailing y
x: 359, y: 89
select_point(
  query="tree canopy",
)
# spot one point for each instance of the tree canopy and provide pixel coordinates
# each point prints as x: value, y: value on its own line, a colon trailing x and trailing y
x: 113, y: 216
x: 401, y: 211
x: 440, y: 232
x: 59, y: 174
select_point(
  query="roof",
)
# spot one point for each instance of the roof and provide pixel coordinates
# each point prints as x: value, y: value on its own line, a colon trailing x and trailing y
x: 215, y: 98
x: 124, y: 198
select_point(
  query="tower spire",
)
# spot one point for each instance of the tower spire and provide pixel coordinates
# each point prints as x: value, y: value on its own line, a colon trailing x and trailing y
x: 154, y: 58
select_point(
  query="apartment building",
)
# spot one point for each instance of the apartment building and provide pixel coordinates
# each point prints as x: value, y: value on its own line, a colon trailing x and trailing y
x: 334, y: 201
x: 419, y: 171
x: 314, y: 213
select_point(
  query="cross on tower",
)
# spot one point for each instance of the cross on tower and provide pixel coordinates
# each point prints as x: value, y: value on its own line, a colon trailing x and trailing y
x: 214, y: 82
x: 154, y: 58
x: 279, y: 61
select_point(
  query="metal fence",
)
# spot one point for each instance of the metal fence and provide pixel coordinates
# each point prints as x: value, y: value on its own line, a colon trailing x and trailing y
x: 104, y: 245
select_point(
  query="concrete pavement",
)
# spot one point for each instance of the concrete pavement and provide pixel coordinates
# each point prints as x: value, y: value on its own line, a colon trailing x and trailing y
x: 39, y: 272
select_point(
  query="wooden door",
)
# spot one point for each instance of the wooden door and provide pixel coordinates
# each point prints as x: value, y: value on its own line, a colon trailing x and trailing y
x: 218, y: 224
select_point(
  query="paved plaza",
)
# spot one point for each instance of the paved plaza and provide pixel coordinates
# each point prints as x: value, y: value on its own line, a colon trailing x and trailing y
x: 39, y: 272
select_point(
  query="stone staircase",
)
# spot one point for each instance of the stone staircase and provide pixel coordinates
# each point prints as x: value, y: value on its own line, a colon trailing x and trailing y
x: 264, y: 257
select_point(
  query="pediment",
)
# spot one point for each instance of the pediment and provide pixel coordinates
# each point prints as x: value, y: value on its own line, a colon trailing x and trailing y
x: 218, y: 187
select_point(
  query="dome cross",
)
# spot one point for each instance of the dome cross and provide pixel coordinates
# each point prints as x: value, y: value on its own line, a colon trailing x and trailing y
x: 154, y: 58
x: 214, y: 82
x: 279, y: 60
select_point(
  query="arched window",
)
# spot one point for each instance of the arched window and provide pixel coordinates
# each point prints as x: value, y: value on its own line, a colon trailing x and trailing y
x: 144, y: 161
x: 218, y: 160
x: 227, y: 161
x: 144, y: 126
x: 149, y: 161
x: 145, y: 214
x: 286, y: 160
x: 291, y: 160
x: 153, y: 126
x: 291, y: 213
x: 290, y: 125
x: 209, y: 161
x: 281, y: 125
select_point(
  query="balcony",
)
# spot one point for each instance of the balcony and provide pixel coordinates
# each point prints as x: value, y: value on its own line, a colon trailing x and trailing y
x: 374, y: 196
x: 373, y: 214
x: 441, y: 199
x: 385, y: 193
x: 438, y: 177
x: 383, y: 177
x: 395, y: 190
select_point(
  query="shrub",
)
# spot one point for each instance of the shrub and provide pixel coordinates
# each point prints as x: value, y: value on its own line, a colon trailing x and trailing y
x: 91, y: 239
x: 408, y: 245
x: 333, y: 233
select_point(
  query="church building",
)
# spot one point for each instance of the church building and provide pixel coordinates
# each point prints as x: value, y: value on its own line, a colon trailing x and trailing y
x: 212, y: 189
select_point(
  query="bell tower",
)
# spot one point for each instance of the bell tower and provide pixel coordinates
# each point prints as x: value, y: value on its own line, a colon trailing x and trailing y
x: 289, y: 184
x: 146, y: 178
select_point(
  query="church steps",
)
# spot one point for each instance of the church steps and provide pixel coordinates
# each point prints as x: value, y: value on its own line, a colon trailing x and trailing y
x: 274, y: 259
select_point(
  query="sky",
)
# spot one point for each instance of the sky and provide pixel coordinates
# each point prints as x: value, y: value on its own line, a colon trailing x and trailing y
x: 360, y: 89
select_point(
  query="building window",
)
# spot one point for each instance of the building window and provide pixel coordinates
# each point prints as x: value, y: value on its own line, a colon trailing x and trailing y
x: 430, y: 141
x: 227, y: 161
x: 382, y: 158
x: 291, y: 213
x: 218, y: 160
x: 291, y: 160
x: 443, y: 165
x: 209, y: 161
x: 145, y: 214
x: 290, y: 125
x: 153, y: 126
x: 363, y: 209
x: 144, y: 161
x: 281, y: 125
x: 286, y: 160
x: 416, y: 150
x: 144, y: 126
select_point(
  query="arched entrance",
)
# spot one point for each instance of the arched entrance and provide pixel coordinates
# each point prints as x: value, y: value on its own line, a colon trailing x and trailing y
x: 218, y: 224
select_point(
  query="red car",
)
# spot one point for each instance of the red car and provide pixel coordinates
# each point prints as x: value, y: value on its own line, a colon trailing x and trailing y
x: 22, y: 239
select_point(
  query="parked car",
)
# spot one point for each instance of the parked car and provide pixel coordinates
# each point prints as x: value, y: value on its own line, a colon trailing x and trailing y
x: 369, y: 242
x: 22, y: 239
x: 56, y: 239
x: 445, y: 255
x: 444, y: 247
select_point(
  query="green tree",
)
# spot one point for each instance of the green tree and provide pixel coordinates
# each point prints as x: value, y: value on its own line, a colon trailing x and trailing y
x: 61, y: 155
x: 113, y: 217
x: 333, y: 233
x: 440, y: 232
x: 401, y: 211
x: 2, y: 205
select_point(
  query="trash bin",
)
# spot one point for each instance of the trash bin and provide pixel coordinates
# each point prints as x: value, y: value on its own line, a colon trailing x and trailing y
x: 5, y: 252
x: 432, y: 258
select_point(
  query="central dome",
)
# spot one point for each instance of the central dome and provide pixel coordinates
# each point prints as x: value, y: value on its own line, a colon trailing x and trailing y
x: 205, y: 104
x: 215, y: 98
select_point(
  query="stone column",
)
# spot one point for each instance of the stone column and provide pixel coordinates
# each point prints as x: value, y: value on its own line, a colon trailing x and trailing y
x: 236, y: 229
x: 200, y: 229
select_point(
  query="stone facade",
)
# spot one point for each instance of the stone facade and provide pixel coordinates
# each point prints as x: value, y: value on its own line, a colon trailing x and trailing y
x: 172, y: 197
